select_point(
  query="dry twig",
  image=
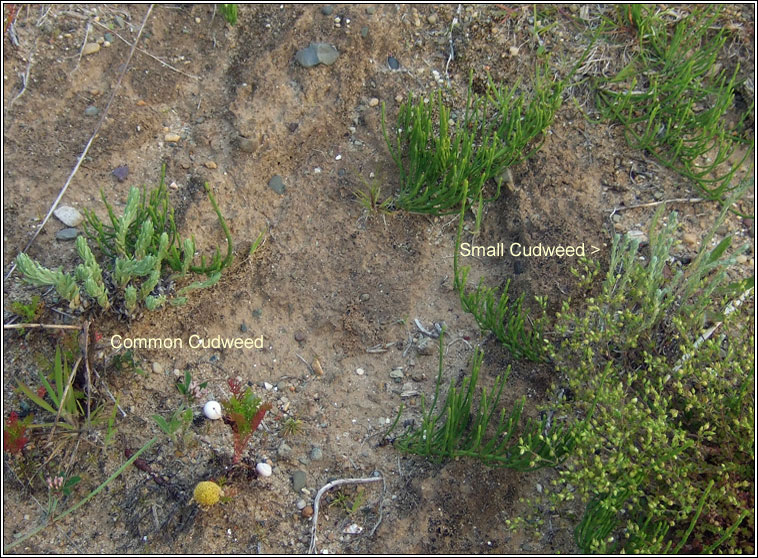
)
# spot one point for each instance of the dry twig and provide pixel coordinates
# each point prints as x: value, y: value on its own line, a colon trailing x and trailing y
x: 329, y: 486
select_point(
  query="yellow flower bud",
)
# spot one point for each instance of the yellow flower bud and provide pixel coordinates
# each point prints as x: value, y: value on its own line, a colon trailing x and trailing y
x: 207, y: 493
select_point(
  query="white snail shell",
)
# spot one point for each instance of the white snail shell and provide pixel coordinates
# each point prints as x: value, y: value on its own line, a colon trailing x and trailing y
x: 212, y: 410
x: 263, y: 469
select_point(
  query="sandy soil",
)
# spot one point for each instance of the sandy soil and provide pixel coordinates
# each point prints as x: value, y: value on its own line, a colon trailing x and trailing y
x: 330, y: 281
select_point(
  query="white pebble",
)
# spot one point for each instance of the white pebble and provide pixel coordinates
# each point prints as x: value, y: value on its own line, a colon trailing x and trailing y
x: 360, y: 371
x: 212, y: 410
x: 373, y: 102
x: 338, y: 157
x: 263, y: 469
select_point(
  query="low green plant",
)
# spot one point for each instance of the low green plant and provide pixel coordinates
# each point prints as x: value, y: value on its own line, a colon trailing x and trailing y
x: 190, y: 389
x: 229, y: 11
x: 495, y: 436
x: 292, y: 427
x: 351, y: 505
x: 125, y: 361
x: 440, y: 166
x: 497, y: 312
x: 665, y: 458
x: 672, y: 103
x: 64, y: 398
x: 180, y: 419
x: 244, y: 412
x: 140, y: 249
x: 371, y: 198
x: 29, y: 312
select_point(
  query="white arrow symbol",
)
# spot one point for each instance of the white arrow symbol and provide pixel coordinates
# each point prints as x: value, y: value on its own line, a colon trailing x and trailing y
x: 595, y: 249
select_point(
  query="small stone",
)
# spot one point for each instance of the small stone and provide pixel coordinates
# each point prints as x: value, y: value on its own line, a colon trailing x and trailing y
x: 307, y: 512
x: 263, y: 469
x: 298, y: 480
x: 157, y: 367
x: 307, y: 57
x: 108, y: 37
x: 741, y: 259
x: 67, y: 234
x: 91, y: 110
x: 106, y: 44
x: 301, y: 504
x: 690, y: 238
x: 327, y: 10
x: 284, y: 450
x: 211, y: 165
x: 277, y: 184
x: 197, y: 20
x: 513, y: 51
x: 326, y: 53
x: 432, y: 19
x: 243, y: 327
x: 172, y: 138
x: 397, y: 374
x: 373, y: 102
x: 393, y: 63
x: 68, y: 215
x: 90, y: 48
x: 299, y: 336
x: 247, y: 145
x: 268, y: 386
x: 365, y: 297
x: 360, y: 371
x: 370, y: 10
x: 364, y: 31
x: 316, y: 453
x: 398, y: 98
x: 616, y: 217
x: 121, y: 172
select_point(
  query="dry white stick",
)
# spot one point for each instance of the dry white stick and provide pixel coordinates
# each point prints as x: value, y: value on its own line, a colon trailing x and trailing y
x: 89, y: 143
x: 329, y: 486
x: 731, y: 307
x: 652, y: 204
x: 47, y: 326
x: 24, y: 80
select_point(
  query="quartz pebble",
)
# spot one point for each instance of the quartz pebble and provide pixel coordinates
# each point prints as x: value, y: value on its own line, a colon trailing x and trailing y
x: 263, y: 469
x: 212, y: 410
x: 172, y: 138
x: 68, y: 215
x: 90, y: 48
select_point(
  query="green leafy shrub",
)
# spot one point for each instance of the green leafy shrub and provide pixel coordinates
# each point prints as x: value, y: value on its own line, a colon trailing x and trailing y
x: 229, y: 11
x: 665, y: 460
x: 672, y: 104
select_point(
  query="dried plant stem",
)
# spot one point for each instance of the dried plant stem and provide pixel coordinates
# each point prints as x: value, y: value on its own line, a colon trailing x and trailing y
x: 325, y: 488
x: 46, y: 326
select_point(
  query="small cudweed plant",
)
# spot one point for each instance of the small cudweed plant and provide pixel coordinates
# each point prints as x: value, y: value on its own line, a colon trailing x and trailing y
x: 243, y: 412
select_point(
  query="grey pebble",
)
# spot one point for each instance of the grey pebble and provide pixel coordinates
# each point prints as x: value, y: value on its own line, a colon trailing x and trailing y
x: 284, y: 450
x: 301, y: 504
x: 425, y: 347
x: 370, y: 10
x: 298, y: 480
x: 299, y: 336
x: 393, y: 63
x: 316, y: 453
x: 91, y: 110
x: 365, y: 297
x: 326, y: 53
x: 327, y: 10
x: 316, y: 53
x: 108, y: 37
x: 243, y: 327
x: 67, y: 234
x: 68, y: 215
x: 277, y: 184
x: 364, y: 31
x: 397, y: 374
